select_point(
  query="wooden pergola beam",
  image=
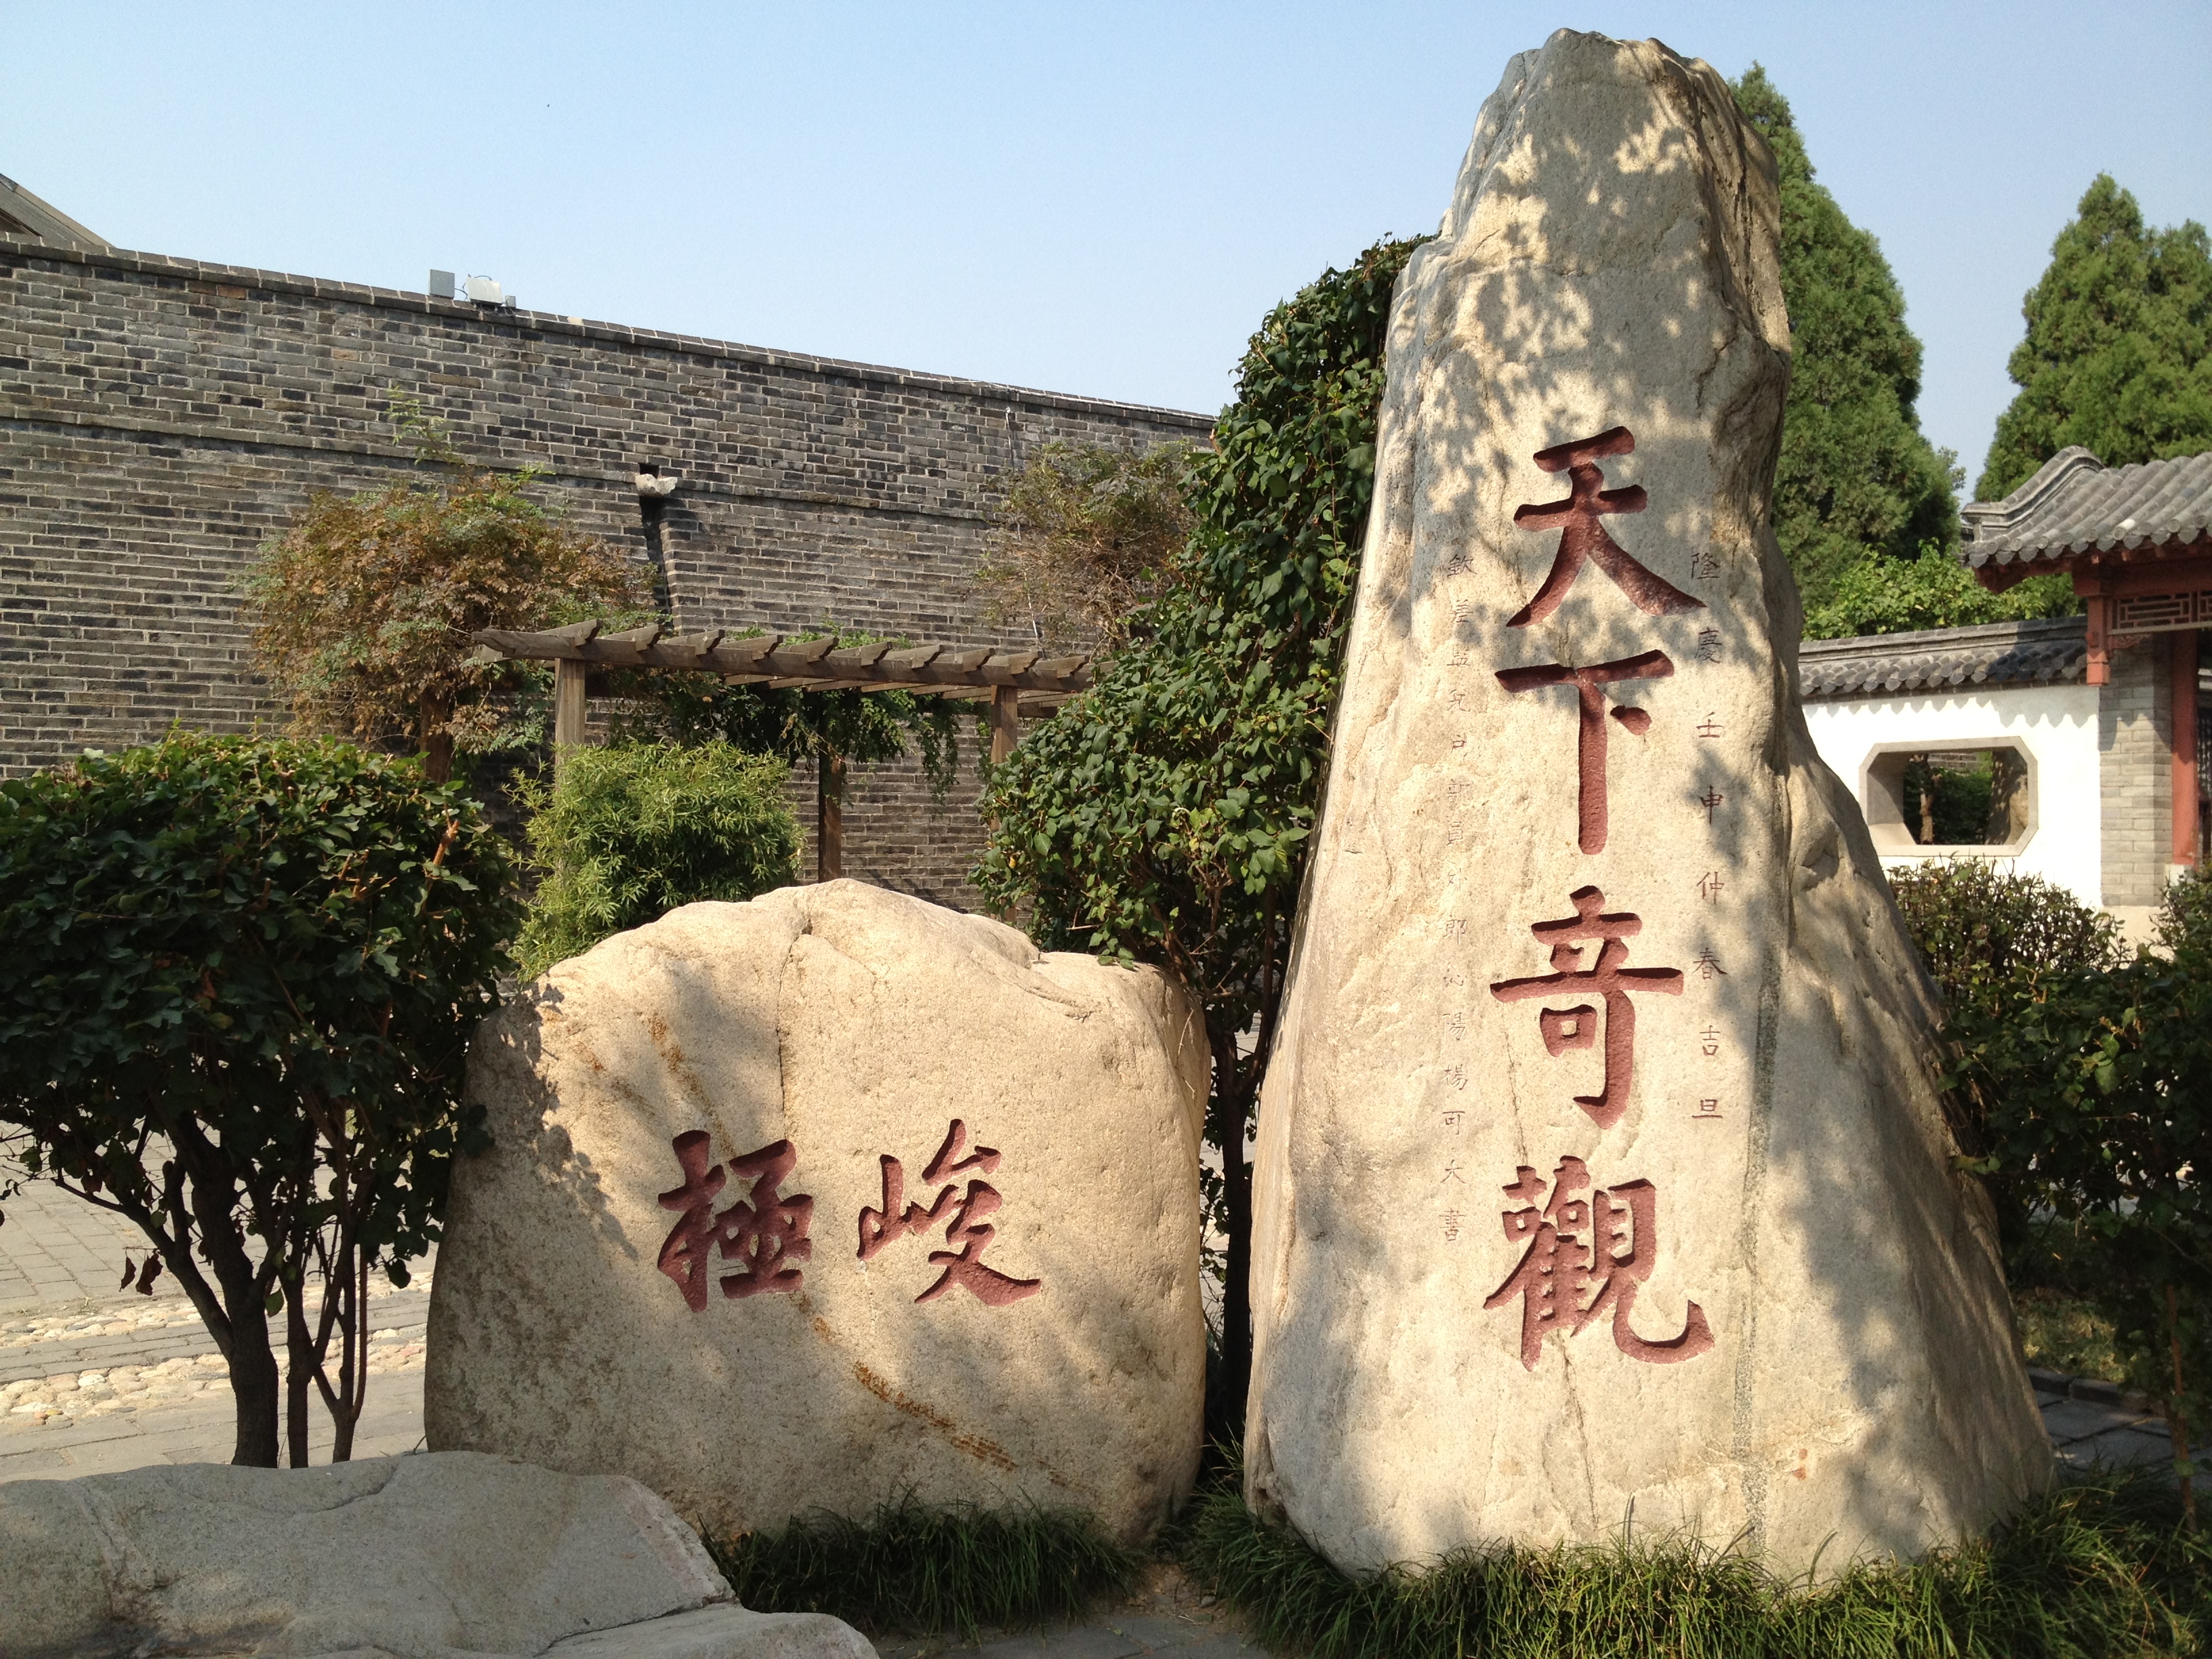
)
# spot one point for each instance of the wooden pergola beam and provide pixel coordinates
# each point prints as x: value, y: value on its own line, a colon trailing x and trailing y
x: 1012, y: 684
x: 770, y: 659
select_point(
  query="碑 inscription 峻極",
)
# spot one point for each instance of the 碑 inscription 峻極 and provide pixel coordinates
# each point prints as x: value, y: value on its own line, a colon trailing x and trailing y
x: 764, y: 1233
x: 1589, y: 1253
x: 969, y: 1230
x: 1589, y: 685
x: 1582, y: 535
x: 1577, y: 1027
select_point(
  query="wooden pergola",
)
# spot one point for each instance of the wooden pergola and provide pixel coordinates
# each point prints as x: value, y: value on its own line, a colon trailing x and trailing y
x: 1014, y: 684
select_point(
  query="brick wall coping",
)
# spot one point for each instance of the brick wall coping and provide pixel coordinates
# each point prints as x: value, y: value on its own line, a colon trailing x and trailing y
x: 545, y: 322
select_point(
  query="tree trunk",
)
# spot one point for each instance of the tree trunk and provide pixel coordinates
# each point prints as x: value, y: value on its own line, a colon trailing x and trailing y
x: 829, y: 816
x: 298, y: 1369
x: 437, y: 742
x: 1232, y: 1098
x: 254, y: 1385
x: 2177, y: 1426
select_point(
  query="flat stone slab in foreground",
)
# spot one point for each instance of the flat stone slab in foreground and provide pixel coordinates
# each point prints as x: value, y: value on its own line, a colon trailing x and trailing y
x: 1599, y: 1168
x: 445, y: 1556
x: 815, y: 1201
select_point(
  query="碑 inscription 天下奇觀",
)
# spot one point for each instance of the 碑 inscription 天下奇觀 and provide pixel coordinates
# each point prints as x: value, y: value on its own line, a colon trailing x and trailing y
x: 1589, y: 685
x: 764, y: 1233
x: 1598, y: 1244
x: 1607, y: 977
x: 969, y: 1230
x: 1589, y: 1250
x: 1583, y: 538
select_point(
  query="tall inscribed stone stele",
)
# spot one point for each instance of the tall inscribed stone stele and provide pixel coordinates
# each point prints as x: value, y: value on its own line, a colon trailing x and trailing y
x: 1598, y: 1161
x: 811, y: 1202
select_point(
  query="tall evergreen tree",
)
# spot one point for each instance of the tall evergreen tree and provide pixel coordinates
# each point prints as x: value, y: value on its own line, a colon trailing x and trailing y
x: 1857, y: 475
x: 2118, y: 352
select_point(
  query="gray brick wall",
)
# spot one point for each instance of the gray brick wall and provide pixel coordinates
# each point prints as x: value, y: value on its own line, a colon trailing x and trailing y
x: 2136, y: 774
x: 161, y: 418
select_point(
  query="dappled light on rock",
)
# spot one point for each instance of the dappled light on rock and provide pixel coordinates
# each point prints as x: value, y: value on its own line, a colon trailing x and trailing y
x: 1600, y: 1172
x: 831, y: 1198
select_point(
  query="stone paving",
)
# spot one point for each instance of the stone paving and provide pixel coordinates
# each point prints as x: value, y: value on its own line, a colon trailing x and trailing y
x: 56, y: 1249
x: 93, y: 1380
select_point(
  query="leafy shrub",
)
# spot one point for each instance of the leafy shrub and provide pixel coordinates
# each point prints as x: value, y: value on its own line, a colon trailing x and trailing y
x: 2092, y: 1092
x: 2083, y: 1084
x: 1984, y: 931
x: 262, y: 961
x: 2184, y: 919
x: 1163, y: 815
x: 633, y: 831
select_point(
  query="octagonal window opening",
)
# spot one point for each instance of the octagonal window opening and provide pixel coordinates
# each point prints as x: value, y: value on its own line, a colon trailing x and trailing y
x: 1948, y: 797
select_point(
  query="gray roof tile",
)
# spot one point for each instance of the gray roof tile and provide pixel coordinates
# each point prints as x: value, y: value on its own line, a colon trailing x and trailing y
x: 2044, y: 652
x: 2076, y: 504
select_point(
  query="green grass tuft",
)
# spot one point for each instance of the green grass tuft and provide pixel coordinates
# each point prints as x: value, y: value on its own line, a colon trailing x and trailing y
x: 923, y: 1570
x: 2098, y: 1570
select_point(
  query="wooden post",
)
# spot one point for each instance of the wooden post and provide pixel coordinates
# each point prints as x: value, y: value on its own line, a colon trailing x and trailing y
x: 1005, y: 721
x: 2100, y: 632
x: 568, y: 677
x: 2185, y: 747
x: 829, y: 816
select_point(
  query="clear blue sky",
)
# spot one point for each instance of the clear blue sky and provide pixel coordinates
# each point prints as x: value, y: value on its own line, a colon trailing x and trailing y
x: 1101, y: 199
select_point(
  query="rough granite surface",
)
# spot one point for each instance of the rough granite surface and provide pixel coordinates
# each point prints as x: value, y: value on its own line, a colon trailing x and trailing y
x: 1599, y: 1170
x: 836, y: 1195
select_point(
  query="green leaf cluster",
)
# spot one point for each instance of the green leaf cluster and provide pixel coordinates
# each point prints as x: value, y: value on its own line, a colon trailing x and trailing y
x: 1856, y: 476
x: 632, y: 830
x: 1876, y: 593
x: 2082, y: 1083
x: 1164, y: 816
x: 241, y: 979
x: 796, y: 725
x: 2118, y: 352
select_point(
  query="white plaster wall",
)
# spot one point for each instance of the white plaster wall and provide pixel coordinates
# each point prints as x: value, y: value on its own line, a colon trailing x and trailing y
x: 2056, y: 724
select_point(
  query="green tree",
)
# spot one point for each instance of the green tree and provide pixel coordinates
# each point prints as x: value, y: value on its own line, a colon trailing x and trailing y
x: 2118, y: 352
x: 1163, y: 817
x: 1877, y: 594
x: 1855, y: 474
x: 1087, y: 535
x: 633, y: 831
x: 258, y: 964
x: 362, y: 610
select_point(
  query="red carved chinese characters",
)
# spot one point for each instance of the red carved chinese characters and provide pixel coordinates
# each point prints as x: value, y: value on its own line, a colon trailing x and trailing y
x: 968, y: 1228
x: 1590, y: 684
x: 762, y: 1231
x: 1583, y: 538
x: 1589, y: 1253
x: 1578, y: 1027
